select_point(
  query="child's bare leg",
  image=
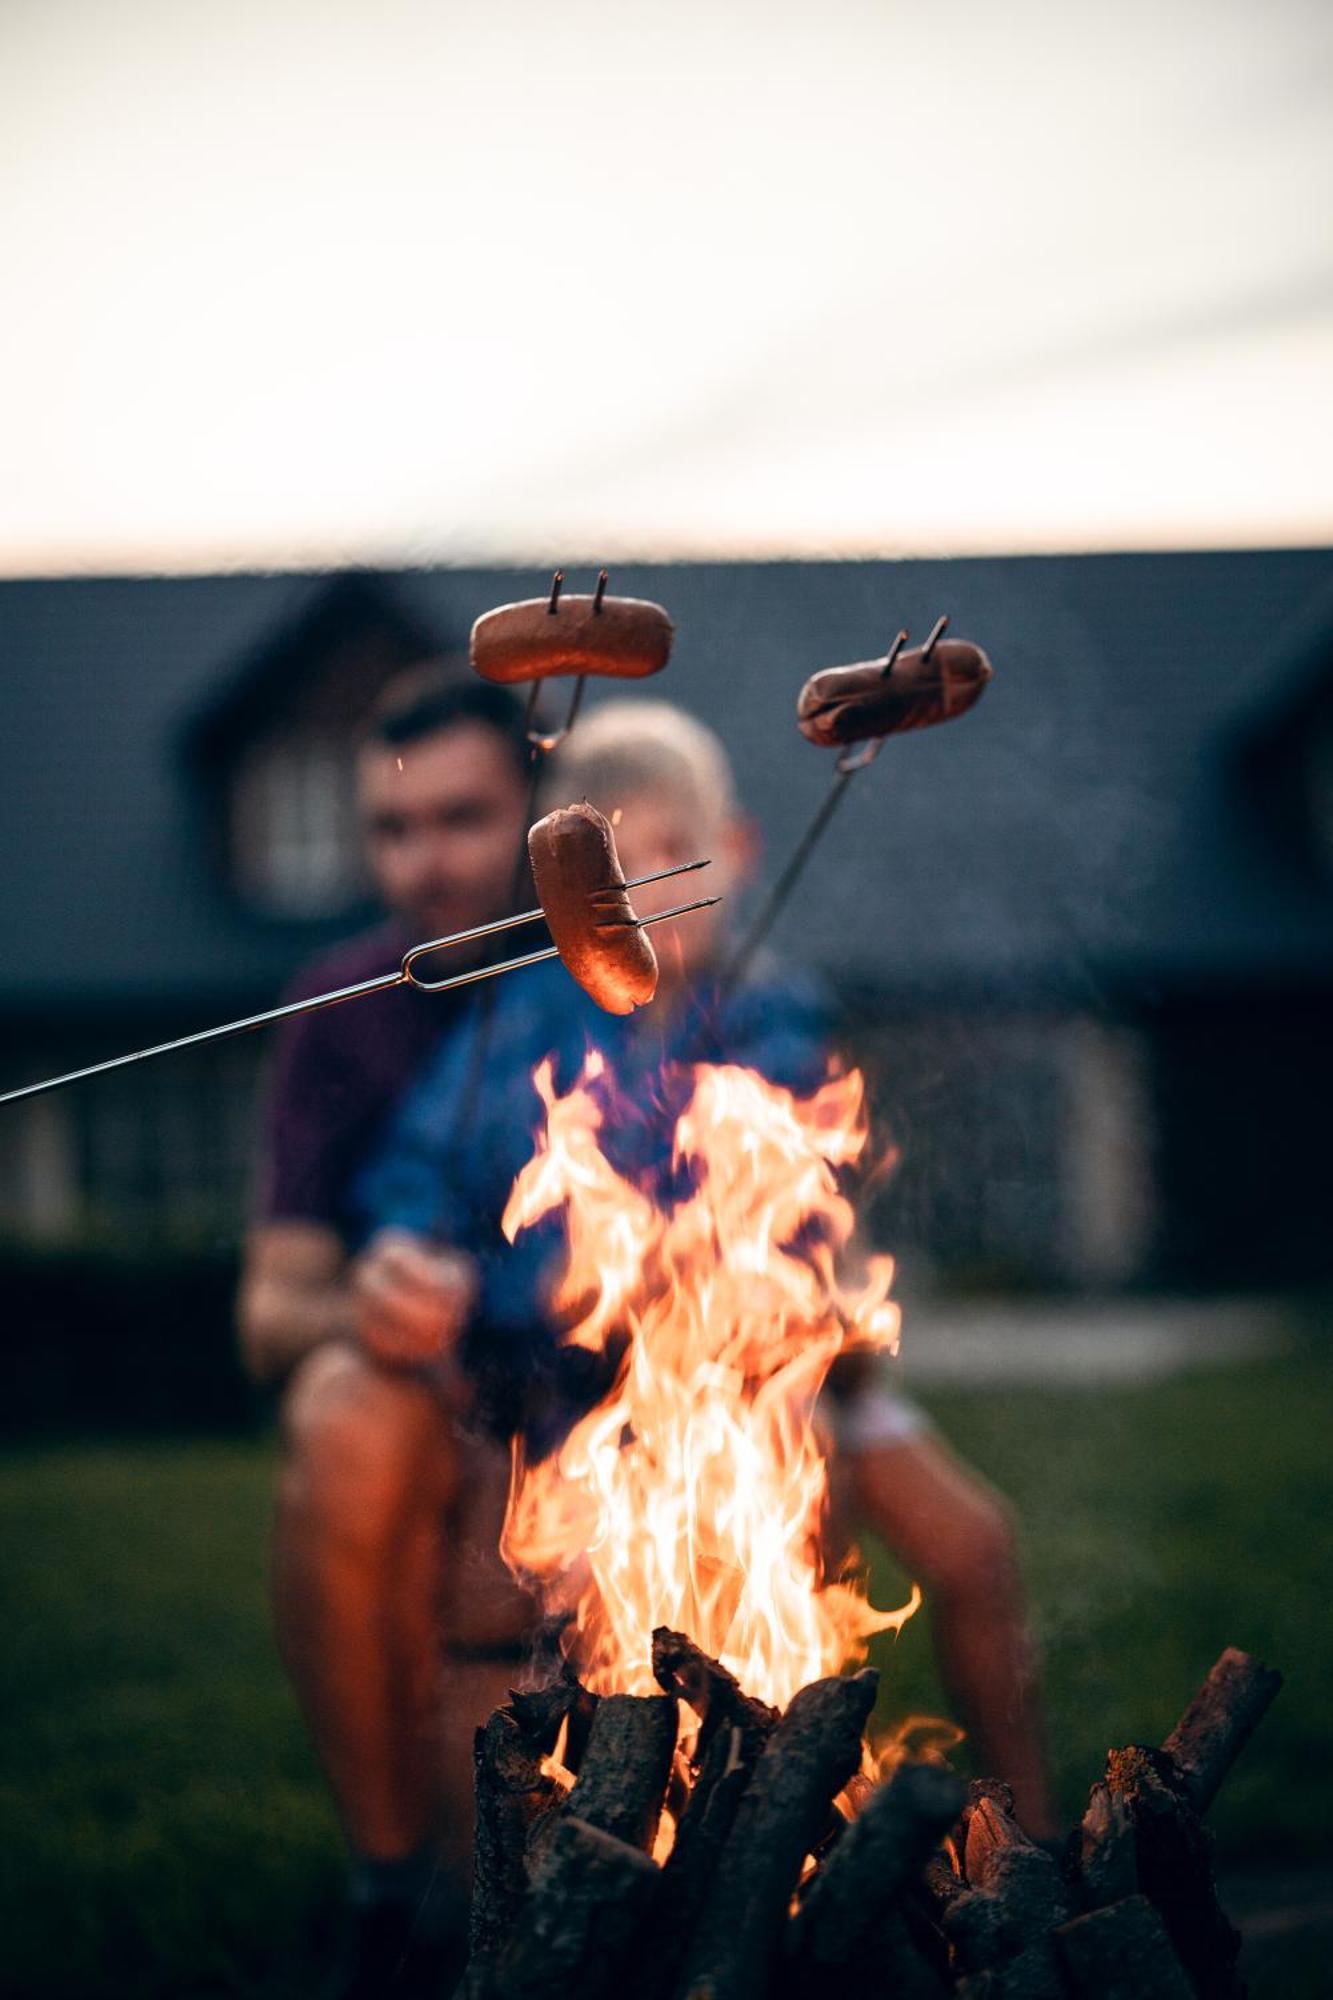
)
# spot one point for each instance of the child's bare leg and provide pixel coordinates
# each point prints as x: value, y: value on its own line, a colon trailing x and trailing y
x: 367, y: 1470
x: 953, y: 1535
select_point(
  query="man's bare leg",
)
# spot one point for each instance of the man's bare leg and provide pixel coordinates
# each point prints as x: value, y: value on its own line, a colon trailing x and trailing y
x: 488, y: 1625
x: 369, y: 1466
x: 953, y: 1534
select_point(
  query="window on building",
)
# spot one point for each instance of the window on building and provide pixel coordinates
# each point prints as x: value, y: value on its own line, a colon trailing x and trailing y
x: 295, y: 841
x: 168, y: 1146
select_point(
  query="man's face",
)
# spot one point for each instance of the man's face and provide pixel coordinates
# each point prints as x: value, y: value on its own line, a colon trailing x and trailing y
x: 443, y: 817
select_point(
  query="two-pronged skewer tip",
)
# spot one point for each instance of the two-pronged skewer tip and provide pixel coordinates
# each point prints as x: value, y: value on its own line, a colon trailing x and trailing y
x: 936, y: 633
x: 558, y: 584
x: 521, y: 917
x: 383, y: 982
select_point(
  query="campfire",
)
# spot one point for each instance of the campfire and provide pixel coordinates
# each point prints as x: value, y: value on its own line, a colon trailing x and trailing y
x: 692, y: 1496
x: 692, y: 1807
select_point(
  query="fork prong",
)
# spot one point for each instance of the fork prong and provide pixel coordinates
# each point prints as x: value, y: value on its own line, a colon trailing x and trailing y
x: 681, y: 910
x: 891, y: 659
x: 937, y: 632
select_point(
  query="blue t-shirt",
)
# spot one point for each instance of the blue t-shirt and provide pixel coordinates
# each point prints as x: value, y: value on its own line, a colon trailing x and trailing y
x: 456, y: 1141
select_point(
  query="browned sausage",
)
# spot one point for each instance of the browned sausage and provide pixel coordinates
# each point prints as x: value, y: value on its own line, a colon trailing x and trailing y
x: 581, y: 887
x: 848, y: 704
x: 627, y: 638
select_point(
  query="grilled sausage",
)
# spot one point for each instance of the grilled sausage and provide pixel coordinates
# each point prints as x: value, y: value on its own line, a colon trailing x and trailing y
x: 626, y: 638
x: 848, y: 704
x: 581, y: 887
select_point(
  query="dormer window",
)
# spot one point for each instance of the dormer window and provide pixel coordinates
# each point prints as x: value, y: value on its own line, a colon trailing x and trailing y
x: 275, y: 755
x: 294, y: 840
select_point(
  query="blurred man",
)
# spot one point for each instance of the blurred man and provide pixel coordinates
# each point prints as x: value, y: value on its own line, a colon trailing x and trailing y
x: 377, y: 1475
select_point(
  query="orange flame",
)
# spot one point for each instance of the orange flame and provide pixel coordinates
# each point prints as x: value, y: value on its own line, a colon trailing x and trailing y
x: 693, y: 1495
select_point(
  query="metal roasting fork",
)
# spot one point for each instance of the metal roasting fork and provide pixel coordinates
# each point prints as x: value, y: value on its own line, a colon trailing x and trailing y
x: 850, y: 761
x: 406, y: 975
x: 541, y: 742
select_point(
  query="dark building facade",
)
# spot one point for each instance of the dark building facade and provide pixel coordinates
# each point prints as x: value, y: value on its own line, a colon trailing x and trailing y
x: 1085, y: 936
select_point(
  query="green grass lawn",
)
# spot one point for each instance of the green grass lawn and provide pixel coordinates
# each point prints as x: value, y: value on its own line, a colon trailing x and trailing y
x: 165, y: 1831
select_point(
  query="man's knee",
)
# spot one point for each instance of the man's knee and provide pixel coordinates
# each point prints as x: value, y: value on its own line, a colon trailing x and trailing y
x: 362, y: 1448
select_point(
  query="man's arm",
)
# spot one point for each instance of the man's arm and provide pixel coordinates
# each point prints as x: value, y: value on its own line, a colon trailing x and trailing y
x: 402, y: 1300
x: 295, y: 1295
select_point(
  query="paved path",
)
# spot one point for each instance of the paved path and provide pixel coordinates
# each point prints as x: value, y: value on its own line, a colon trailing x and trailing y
x: 1076, y: 1342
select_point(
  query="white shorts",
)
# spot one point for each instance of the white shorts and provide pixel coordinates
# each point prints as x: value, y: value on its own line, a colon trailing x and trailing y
x: 874, y: 1415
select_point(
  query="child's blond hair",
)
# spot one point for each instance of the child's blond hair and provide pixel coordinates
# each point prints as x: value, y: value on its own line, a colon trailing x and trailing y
x: 626, y: 748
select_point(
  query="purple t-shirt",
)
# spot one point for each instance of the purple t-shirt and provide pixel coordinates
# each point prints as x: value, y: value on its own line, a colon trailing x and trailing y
x: 337, y: 1074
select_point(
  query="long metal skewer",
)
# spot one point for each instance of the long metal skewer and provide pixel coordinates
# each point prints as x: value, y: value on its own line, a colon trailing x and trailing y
x: 541, y: 742
x: 849, y: 763
x: 406, y: 975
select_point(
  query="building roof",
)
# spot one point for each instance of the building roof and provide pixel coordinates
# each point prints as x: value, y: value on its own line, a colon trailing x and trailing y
x: 1085, y: 831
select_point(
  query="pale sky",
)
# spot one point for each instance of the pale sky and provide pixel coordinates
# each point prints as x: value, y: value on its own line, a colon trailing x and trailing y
x: 302, y: 283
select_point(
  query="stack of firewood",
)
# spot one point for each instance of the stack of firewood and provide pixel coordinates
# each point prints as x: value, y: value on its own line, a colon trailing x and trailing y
x: 931, y: 1887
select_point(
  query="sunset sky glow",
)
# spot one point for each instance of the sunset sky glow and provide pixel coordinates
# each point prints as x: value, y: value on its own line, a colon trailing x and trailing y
x: 297, y: 284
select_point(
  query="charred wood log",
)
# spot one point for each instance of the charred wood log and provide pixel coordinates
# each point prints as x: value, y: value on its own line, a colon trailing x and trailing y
x: 812, y: 1752
x: 843, y: 1923
x: 1121, y: 1952
x: 1105, y: 1860
x: 511, y: 1794
x: 1163, y: 1792
x: 1000, y: 1927
x: 623, y: 1776
x: 579, y: 1929
x: 702, y: 1830
x: 941, y: 1882
x: 989, y: 1830
x: 715, y: 1695
x: 540, y: 1713
x: 1174, y: 1860
x: 979, y: 1790
x: 733, y: 1729
x: 1219, y: 1722
x: 1031, y: 1974
x: 999, y: 1940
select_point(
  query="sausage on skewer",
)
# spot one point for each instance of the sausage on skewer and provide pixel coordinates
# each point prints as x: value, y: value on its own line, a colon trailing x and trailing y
x: 922, y: 687
x: 581, y: 888
x: 625, y: 638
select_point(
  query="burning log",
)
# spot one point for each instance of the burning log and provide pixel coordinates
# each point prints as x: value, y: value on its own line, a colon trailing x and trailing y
x: 1000, y: 1927
x: 569, y: 1903
x: 542, y: 1712
x: 715, y: 1695
x: 848, y: 1923
x: 623, y: 1777
x: 1162, y: 1793
x: 1174, y: 1860
x: 733, y: 1729
x: 590, y: 1898
x: 812, y: 1752
x: 1121, y: 1952
x: 1219, y: 1722
x: 1106, y: 1861
x: 512, y: 1793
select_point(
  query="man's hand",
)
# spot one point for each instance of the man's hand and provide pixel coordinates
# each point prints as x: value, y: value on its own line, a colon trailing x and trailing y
x: 410, y: 1301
